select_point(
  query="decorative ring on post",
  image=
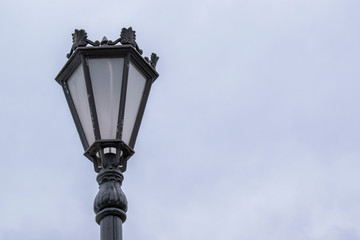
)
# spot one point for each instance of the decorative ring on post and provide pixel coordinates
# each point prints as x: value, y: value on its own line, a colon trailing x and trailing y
x: 110, y: 199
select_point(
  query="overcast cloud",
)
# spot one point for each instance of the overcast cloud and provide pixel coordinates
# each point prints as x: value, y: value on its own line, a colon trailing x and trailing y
x: 250, y: 132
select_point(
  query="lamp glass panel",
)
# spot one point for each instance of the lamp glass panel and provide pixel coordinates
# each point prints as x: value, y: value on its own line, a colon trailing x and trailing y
x: 106, y: 77
x: 77, y: 88
x: 135, y: 90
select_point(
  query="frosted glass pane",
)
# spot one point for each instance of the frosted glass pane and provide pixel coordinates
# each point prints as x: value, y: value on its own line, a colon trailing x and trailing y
x: 78, y: 94
x: 135, y: 90
x: 106, y: 78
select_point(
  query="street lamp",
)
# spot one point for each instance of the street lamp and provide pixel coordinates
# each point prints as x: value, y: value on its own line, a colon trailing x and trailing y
x: 106, y: 87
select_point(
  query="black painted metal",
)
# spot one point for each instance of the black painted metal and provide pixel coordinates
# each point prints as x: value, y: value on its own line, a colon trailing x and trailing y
x: 113, y: 143
x: 128, y: 36
x: 140, y: 114
x: 105, y: 52
x: 153, y: 60
x: 110, y: 203
x: 125, y: 76
x: 111, y: 228
x: 80, y: 55
x: 80, y: 40
x: 91, y: 99
x: 110, y: 194
x: 120, y: 125
x: 75, y: 116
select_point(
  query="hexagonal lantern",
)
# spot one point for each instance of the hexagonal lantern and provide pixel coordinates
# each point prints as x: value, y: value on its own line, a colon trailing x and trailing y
x: 106, y: 86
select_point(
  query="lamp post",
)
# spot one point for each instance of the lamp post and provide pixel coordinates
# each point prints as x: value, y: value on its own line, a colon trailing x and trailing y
x: 106, y: 86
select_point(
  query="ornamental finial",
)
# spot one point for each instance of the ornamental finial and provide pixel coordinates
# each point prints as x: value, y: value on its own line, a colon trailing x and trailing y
x: 153, y: 60
x: 80, y: 40
x: 128, y: 36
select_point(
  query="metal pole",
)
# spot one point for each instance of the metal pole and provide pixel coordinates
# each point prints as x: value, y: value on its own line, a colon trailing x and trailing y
x: 110, y: 203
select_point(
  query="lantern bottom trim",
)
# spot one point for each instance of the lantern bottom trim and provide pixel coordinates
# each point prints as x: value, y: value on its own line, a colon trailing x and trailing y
x: 96, y: 154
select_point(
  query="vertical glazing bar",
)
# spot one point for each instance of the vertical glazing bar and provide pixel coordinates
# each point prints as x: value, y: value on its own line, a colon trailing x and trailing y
x: 123, y: 96
x: 75, y: 116
x: 91, y: 99
x: 140, y: 113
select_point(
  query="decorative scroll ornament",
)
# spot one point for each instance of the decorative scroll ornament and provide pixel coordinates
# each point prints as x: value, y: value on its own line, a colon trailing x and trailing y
x: 80, y: 40
x: 153, y: 60
x: 127, y: 37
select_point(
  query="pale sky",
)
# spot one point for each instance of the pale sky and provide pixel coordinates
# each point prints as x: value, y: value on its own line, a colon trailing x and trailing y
x: 251, y: 132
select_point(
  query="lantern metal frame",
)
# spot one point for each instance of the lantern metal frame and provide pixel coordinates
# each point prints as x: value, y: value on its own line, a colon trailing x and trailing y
x: 80, y: 55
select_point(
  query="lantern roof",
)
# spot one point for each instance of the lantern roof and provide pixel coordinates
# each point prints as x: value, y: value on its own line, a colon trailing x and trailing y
x: 127, y: 41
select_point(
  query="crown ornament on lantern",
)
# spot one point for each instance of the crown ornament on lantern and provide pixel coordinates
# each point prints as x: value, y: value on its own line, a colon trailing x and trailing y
x: 127, y: 37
